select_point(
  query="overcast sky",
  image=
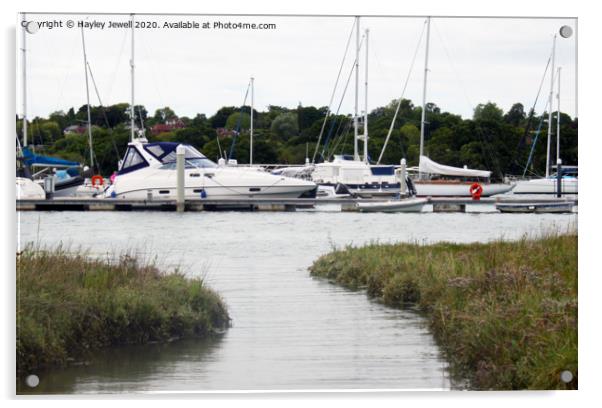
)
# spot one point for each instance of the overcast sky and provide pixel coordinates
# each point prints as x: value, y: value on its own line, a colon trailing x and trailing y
x: 200, y: 70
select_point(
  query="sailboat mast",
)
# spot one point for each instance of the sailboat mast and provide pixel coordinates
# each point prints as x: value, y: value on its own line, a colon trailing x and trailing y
x: 426, y: 70
x: 251, y: 131
x: 133, y: 113
x: 357, y: 79
x: 24, y: 75
x: 88, y: 101
x: 366, y: 104
x: 558, y: 119
x: 550, y: 104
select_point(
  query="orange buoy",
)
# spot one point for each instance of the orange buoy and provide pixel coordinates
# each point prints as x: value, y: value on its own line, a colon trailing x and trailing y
x: 476, y: 190
x: 97, y: 180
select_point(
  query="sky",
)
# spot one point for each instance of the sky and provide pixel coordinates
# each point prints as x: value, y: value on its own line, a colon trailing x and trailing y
x: 199, y: 70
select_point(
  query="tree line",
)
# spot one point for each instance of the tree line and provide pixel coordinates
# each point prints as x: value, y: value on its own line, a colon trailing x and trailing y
x: 492, y: 139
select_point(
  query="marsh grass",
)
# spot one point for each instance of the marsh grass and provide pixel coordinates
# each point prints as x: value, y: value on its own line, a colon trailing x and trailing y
x: 69, y: 304
x: 504, y: 313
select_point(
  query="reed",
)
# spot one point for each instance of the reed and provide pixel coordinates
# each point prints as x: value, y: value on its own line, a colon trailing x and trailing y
x: 504, y: 313
x: 69, y: 304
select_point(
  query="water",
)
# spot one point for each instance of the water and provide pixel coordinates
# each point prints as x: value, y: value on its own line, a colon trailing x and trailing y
x: 290, y: 331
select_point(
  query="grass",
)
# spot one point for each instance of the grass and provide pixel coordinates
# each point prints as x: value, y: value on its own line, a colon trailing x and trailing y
x: 70, y: 304
x: 504, y: 313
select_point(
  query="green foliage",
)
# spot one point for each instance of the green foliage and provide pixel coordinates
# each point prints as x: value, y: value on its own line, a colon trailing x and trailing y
x: 238, y: 121
x: 285, y: 126
x: 505, y: 313
x: 70, y: 304
x: 491, y: 140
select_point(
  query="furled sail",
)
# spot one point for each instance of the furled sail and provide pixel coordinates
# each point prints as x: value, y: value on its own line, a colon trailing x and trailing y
x: 431, y: 167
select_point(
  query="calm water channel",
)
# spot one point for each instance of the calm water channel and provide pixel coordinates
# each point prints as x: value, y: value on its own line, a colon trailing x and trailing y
x: 290, y: 331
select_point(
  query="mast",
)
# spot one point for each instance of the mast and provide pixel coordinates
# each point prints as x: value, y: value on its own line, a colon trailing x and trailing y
x: 550, y: 104
x: 24, y: 76
x: 366, y: 104
x: 88, y: 101
x: 558, y: 119
x: 132, y: 111
x: 426, y: 70
x: 251, y: 131
x: 357, y: 79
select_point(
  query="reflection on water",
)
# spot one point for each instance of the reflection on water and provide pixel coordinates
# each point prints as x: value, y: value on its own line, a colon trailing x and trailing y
x: 289, y: 331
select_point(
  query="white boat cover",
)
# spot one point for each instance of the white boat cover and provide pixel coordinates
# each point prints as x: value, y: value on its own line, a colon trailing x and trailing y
x: 429, y: 166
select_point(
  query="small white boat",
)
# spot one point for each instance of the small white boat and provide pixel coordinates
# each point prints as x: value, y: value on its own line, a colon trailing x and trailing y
x: 538, y: 208
x: 401, y: 205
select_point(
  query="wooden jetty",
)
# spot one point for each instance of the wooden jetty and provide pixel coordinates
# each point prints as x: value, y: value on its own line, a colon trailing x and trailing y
x: 439, y: 204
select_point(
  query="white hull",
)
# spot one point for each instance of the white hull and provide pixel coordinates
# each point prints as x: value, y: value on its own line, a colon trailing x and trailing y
x: 403, y: 205
x: 211, y: 192
x: 430, y: 189
x: 26, y: 189
x: 546, y: 186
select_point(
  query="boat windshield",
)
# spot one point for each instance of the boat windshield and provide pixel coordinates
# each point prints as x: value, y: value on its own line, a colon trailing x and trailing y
x: 166, y: 153
x: 191, y: 164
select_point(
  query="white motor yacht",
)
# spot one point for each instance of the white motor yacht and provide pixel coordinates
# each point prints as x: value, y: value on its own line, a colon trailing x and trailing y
x: 359, y: 177
x: 148, y: 171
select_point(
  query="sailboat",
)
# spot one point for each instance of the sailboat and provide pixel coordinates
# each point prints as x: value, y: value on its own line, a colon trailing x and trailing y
x: 354, y: 172
x: 438, y: 180
x: 569, y: 176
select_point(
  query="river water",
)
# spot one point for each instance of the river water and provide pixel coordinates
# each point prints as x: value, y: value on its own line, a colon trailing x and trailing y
x: 290, y: 331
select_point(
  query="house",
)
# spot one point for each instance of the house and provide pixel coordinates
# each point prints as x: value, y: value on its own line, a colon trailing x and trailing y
x: 79, y: 129
x: 168, y: 126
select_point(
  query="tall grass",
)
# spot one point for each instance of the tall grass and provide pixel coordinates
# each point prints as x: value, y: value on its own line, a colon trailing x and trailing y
x: 69, y: 304
x: 504, y: 313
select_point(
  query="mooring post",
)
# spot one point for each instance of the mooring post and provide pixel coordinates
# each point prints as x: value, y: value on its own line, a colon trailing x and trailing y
x: 559, y: 178
x: 401, y: 175
x: 180, y: 165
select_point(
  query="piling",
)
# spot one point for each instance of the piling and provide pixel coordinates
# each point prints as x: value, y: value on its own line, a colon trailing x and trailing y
x: 559, y: 178
x: 180, y: 165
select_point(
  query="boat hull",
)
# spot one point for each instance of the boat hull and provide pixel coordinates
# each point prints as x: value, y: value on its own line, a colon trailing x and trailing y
x: 546, y: 186
x: 434, y: 189
x: 404, y: 205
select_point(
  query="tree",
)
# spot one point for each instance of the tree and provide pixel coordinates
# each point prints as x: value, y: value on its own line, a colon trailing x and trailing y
x: 163, y: 115
x: 285, y: 126
x: 488, y: 112
x: 238, y: 121
x: 516, y: 115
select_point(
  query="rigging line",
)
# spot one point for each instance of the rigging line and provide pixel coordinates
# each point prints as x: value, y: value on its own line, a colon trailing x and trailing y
x: 334, y: 90
x: 337, y: 133
x: 341, y: 138
x: 238, y: 121
x: 532, y: 111
x: 453, y: 67
x: 535, y: 140
x: 341, y: 101
x: 104, y: 112
x: 61, y: 90
x: 114, y: 75
x: 405, y: 85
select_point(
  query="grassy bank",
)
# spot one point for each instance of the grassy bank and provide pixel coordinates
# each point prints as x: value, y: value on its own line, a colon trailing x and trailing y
x: 70, y: 304
x: 505, y: 313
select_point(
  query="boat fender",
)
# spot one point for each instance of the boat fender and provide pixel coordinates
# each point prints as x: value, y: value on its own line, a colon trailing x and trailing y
x: 203, y: 193
x: 97, y: 180
x: 476, y: 190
